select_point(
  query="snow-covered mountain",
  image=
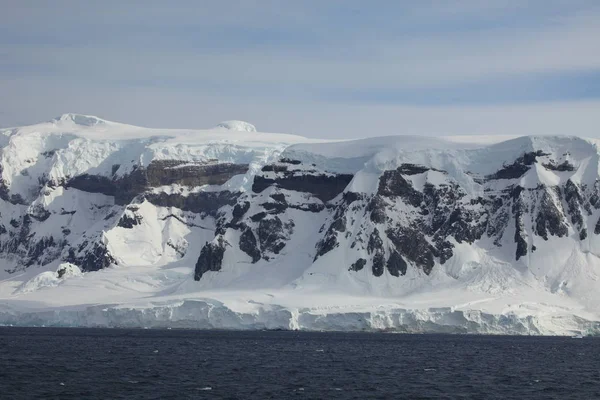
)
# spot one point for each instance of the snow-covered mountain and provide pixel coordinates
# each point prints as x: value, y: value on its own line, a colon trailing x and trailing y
x: 107, y: 224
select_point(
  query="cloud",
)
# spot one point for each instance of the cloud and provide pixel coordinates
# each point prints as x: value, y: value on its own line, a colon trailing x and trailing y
x: 169, y: 108
x: 255, y: 59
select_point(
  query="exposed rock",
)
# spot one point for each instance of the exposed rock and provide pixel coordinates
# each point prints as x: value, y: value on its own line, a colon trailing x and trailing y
x: 274, y: 168
x: 392, y: 183
x: 280, y: 197
x: 239, y: 211
x: 378, y: 264
x: 129, y: 220
x: 249, y: 245
x: 179, y: 247
x: 325, y: 245
x: 271, y: 235
x: 259, y: 216
x: 95, y: 259
x: 39, y: 213
x: 518, y: 168
x: 375, y: 243
x: 339, y: 223
x: 159, y: 173
x: 290, y: 161
x: 211, y: 258
x: 275, y: 208
x: 93, y: 184
x: 324, y: 187
x: 37, y: 253
x: 412, y: 244
x: 114, y: 169
x: 207, y: 203
x: 574, y: 201
x: 358, y: 265
x: 330, y: 241
x: 351, y: 197
x: 562, y: 167
x: 310, y: 207
x: 168, y: 172
x: 520, y: 234
x: 597, y: 228
x: 396, y: 265
x: 412, y: 169
x: 376, y: 208
x: 549, y: 219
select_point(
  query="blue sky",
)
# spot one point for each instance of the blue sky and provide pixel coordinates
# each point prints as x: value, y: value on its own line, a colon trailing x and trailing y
x: 327, y: 68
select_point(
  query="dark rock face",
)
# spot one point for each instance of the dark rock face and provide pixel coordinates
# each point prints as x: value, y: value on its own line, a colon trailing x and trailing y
x: 274, y: 168
x: 44, y: 251
x: 275, y: 208
x: 323, y: 187
x: 518, y: 209
x: 445, y: 211
x: 159, y: 173
x: 258, y: 216
x: 550, y: 219
x: 594, y: 198
x: 377, y: 252
x: 338, y: 225
x: 518, y: 168
x: 377, y: 210
x: 5, y: 192
x: 271, y: 235
x: 414, y: 246
x: 61, y: 272
x: 375, y: 244
x: 392, y: 183
x: 562, y: 167
x: 378, y: 264
x: 575, y: 206
x: 168, y: 172
x: 422, y: 223
x: 249, y: 245
x: 278, y: 197
x: 290, y: 161
x: 239, y: 211
x: 325, y: 245
x: 412, y: 169
x: 396, y: 265
x: 95, y: 259
x: 207, y: 203
x: 93, y: 184
x: 128, y: 221
x: 39, y: 213
x: 211, y: 258
x: 358, y: 265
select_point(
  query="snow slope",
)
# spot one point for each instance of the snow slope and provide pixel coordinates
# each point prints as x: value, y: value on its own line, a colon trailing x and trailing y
x: 108, y: 224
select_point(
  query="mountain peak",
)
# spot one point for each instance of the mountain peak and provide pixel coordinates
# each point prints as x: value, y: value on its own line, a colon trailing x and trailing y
x: 235, y: 125
x: 79, y: 119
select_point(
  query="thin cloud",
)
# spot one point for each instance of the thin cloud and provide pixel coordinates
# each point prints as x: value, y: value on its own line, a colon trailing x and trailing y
x: 260, y: 59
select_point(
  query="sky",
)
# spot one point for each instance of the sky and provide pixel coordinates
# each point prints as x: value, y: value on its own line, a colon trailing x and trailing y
x: 318, y: 68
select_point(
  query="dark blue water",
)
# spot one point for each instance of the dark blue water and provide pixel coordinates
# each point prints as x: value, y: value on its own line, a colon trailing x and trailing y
x: 53, y: 363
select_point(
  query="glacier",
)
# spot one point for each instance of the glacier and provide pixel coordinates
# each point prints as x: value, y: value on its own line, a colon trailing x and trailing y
x: 106, y: 224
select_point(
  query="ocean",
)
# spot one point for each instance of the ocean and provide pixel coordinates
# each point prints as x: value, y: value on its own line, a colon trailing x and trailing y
x: 70, y: 363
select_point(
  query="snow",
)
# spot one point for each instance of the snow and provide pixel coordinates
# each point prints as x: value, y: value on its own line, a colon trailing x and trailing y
x: 235, y: 125
x: 49, y: 279
x: 481, y: 289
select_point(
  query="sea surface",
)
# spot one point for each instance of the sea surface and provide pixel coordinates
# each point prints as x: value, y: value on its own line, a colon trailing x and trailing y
x: 67, y: 363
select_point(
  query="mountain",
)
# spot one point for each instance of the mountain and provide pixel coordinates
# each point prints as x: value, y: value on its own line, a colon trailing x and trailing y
x: 108, y: 224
